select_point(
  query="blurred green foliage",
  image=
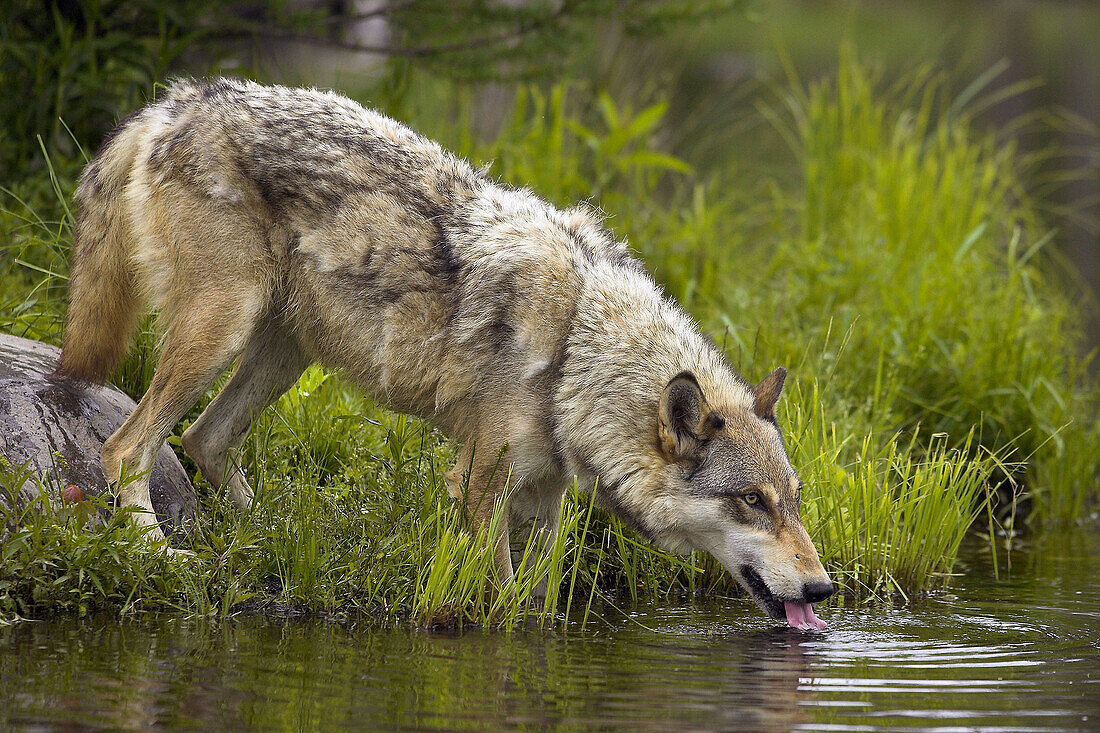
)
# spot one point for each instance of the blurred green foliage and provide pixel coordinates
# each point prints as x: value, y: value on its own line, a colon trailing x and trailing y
x: 70, y: 68
x: 81, y: 64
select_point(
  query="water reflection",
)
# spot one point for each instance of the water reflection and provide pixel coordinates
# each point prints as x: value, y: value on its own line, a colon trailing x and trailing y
x: 1019, y: 653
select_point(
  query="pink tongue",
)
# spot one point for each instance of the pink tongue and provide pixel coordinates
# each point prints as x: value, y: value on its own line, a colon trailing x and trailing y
x: 801, y: 616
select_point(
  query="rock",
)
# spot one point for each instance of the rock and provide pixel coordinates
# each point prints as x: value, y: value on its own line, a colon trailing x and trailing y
x: 56, y: 427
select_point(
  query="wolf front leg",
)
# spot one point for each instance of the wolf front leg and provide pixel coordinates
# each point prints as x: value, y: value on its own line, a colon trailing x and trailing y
x: 479, y: 480
x: 546, y: 534
x: 539, y: 501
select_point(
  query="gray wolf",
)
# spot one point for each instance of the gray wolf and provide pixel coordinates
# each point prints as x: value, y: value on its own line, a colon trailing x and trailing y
x: 286, y: 226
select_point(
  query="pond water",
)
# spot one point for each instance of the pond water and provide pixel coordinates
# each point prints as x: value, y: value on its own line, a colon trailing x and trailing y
x: 1019, y: 653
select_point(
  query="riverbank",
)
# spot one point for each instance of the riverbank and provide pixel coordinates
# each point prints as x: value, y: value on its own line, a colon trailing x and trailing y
x: 934, y: 350
x: 980, y: 657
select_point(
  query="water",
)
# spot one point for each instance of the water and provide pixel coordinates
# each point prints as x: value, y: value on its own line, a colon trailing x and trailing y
x: 1017, y: 654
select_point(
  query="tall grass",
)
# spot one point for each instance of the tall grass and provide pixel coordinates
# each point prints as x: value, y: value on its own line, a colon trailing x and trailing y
x: 933, y: 344
x: 891, y: 522
x: 915, y: 236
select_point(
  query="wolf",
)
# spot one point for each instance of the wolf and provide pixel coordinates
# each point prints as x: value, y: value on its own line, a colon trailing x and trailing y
x: 283, y: 226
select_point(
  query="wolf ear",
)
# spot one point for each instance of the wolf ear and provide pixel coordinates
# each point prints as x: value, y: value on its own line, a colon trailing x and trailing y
x: 766, y: 394
x: 685, y: 421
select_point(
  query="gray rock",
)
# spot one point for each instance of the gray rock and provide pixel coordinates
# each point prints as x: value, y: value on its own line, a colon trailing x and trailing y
x: 56, y: 427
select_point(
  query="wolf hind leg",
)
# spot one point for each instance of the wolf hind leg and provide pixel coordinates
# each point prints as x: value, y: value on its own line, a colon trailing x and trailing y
x: 272, y: 361
x: 203, y: 337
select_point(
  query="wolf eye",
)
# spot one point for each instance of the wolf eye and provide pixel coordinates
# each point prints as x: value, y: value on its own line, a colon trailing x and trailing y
x: 752, y: 498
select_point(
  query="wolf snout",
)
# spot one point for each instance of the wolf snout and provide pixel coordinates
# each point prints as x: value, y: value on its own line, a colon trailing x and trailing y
x: 817, y: 591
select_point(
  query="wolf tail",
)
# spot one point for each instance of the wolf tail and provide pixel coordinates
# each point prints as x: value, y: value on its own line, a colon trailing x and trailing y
x: 104, y: 302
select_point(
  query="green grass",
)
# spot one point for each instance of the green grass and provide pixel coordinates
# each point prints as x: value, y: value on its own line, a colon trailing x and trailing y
x: 933, y: 339
x: 915, y: 236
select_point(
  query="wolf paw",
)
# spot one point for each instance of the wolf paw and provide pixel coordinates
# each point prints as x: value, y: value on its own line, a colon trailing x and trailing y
x: 240, y: 492
x: 161, y: 546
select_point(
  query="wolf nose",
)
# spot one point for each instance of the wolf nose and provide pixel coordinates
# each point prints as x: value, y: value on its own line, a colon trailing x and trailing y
x: 817, y: 590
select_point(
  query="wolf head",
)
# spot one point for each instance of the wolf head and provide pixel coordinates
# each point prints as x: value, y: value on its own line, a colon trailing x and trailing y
x: 733, y: 493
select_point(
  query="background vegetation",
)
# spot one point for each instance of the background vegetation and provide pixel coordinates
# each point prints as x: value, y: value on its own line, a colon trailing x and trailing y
x: 905, y: 273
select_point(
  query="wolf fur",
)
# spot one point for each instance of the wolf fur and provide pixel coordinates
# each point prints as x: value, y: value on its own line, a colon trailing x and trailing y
x: 286, y: 226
